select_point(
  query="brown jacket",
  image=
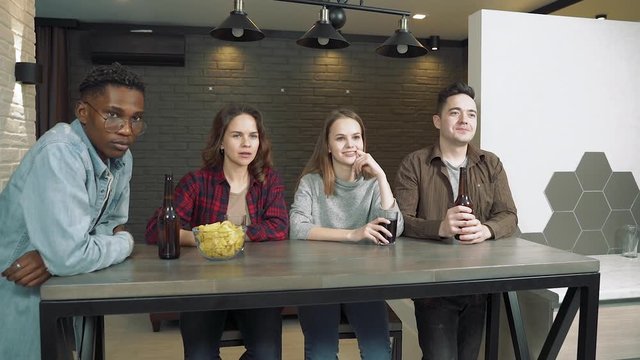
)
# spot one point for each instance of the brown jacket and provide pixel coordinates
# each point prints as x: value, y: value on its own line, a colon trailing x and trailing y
x: 424, y: 194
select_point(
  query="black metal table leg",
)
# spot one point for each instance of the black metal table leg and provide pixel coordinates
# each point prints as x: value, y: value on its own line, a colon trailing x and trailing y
x: 51, y: 339
x: 561, y: 325
x: 493, y: 327
x: 587, y: 330
x: 516, y: 325
x: 99, y: 349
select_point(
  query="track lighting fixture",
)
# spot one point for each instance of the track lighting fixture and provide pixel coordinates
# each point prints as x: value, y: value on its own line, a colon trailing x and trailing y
x: 237, y: 27
x: 402, y: 44
x: 323, y: 35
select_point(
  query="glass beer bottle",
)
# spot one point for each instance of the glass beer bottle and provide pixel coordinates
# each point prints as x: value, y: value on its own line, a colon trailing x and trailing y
x: 463, y: 195
x: 168, y: 224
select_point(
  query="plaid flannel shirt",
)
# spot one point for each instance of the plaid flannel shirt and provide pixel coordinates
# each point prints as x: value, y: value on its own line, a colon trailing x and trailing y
x: 202, y: 196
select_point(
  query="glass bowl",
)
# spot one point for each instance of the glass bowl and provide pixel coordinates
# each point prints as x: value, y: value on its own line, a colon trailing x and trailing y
x: 219, y: 241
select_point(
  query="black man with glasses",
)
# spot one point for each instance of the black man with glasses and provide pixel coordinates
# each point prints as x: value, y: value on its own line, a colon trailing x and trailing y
x: 63, y: 210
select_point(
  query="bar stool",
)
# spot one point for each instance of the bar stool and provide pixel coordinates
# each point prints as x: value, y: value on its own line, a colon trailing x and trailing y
x: 232, y: 336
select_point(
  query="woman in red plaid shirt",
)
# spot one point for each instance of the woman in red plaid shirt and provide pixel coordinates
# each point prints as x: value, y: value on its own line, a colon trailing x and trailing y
x: 237, y: 179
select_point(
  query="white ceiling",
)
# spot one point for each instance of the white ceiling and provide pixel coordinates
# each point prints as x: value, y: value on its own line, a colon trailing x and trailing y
x: 448, y: 19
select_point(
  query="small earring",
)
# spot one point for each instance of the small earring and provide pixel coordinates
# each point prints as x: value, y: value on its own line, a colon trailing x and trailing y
x: 221, y: 151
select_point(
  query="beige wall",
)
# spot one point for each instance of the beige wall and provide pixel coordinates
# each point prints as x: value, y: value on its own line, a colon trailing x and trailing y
x: 17, y: 102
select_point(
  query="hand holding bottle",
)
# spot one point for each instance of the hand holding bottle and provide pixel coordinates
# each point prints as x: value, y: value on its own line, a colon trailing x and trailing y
x: 474, y: 234
x: 469, y: 229
x: 463, y: 199
x: 456, y: 222
x: 461, y: 223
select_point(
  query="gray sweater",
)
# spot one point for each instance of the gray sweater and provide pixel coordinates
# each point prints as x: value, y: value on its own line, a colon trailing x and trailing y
x: 352, y: 205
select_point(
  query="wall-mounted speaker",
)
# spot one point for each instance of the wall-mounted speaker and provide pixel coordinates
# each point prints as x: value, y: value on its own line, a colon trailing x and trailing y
x: 28, y: 73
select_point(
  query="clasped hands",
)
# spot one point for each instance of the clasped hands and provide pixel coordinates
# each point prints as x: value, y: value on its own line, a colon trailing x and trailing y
x: 460, y: 220
x: 28, y: 270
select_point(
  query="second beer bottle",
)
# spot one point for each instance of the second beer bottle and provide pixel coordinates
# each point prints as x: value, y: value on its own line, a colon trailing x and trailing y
x: 168, y: 224
x: 463, y: 195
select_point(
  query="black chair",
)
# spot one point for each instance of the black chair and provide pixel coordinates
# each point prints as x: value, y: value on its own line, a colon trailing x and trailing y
x: 232, y: 336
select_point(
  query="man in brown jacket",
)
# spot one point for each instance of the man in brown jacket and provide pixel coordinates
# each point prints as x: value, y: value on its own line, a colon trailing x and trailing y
x: 426, y: 186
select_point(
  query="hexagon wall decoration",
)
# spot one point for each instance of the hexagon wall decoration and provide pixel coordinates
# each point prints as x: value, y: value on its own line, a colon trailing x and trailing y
x: 588, y: 206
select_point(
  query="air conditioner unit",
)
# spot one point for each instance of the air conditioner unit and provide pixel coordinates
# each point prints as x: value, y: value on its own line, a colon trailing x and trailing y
x: 138, y: 49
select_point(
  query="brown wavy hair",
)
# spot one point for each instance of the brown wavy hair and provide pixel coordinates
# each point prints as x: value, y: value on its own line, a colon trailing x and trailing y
x: 321, y: 161
x: 211, y: 154
x: 456, y: 88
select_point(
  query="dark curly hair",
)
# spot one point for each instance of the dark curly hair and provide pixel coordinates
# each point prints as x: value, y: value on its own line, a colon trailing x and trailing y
x: 453, y: 89
x: 115, y: 74
x: 211, y: 154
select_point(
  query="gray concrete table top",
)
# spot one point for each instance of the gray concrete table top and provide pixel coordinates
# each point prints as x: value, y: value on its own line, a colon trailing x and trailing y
x: 297, y: 264
x: 619, y: 280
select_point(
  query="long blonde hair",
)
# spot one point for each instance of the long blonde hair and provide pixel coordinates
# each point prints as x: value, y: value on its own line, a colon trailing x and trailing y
x: 321, y: 161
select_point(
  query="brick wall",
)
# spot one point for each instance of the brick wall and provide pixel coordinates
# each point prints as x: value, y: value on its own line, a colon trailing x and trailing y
x: 17, y: 102
x: 294, y: 87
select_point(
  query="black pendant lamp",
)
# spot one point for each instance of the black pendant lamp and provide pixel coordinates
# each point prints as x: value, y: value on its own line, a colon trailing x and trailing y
x: 402, y: 44
x: 237, y: 27
x: 323, y: 35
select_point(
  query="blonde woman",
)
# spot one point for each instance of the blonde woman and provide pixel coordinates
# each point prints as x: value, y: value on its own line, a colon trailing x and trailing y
x: 341, y: 193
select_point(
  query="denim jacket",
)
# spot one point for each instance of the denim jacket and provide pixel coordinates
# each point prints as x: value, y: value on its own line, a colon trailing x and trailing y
x: 63, y: 201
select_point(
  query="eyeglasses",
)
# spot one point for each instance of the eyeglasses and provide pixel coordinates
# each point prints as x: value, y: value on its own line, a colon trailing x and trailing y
x: 114, y: 124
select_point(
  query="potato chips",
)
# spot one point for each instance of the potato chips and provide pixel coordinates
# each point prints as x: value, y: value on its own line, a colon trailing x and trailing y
x: 221, y: 240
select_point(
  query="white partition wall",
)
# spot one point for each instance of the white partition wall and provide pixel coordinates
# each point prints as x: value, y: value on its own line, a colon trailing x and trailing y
x: 550, y: 89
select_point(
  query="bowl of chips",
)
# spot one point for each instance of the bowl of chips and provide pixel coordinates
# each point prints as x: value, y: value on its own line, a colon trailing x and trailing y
x: 220, y: 240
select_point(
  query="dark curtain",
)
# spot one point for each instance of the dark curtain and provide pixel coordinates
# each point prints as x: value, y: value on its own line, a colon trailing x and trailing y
x: 52, y: 96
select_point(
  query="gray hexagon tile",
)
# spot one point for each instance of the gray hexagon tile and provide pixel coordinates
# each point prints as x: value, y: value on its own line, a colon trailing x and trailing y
x: 563, y: 191
x: 562, y: 230
x: 589, y: 205
x: 635, y: 209
x: 616, y: 219
x: 535, y: 237
x: 593, y: 171
x: 591, y: 243
x: 621, y: 190
x: 592, y: 210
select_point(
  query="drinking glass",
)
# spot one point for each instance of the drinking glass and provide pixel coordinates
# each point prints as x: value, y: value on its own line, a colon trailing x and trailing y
x: 392, y: 216
x: 627, y: 236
